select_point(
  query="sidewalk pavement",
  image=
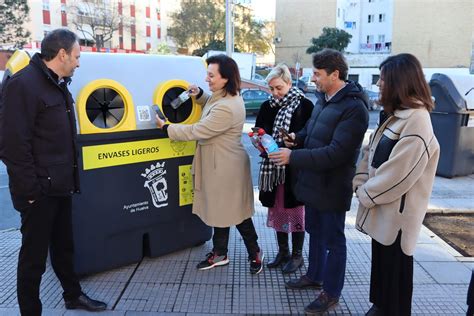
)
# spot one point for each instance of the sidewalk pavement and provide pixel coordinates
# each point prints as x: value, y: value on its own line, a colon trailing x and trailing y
x: 171, y: 284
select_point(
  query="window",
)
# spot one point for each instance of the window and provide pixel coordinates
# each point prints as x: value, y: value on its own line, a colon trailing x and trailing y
x: 350, y: 25
x: 134, y: 44
x: 46, y: 17
x: 381, y: 38
x: 46, y: 5
x: 354, y: 78
x: 63, y: 13
x: 147, y: 12
x: 121, y: 42
x: 371, y: 18
x: 370, y: 39
x: 148, y: 30
x: 132, y: 10
x: 158, y: 32
x: 375, y: 78
x: 370, y: 1
x: 382, y: 17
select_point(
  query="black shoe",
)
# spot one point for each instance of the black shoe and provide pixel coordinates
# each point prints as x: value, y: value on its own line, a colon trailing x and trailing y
x: 292, y: 265
x: 85, y: 302
x: 373, y: 311
x: 256, y: 264
x: 320, y: 305
x: 280, y: 259
x: 213, y: 260
x: 303, y: 283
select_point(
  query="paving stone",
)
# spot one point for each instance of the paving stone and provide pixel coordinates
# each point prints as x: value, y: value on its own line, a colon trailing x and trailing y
x: 204, y: 298
x: 432, y: 252
x: 171, y: 284
x: 447, y: 272
x: 149, y: 297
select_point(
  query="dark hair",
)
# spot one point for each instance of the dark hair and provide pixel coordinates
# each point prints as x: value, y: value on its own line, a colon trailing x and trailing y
x: 229, y: 70
x: 331, y: 60
x: 55, y: 40
x: 404, y: 85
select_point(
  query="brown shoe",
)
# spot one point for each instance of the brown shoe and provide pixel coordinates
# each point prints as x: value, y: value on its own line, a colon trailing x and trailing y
x: 303, y: 283
x: 321, y: 304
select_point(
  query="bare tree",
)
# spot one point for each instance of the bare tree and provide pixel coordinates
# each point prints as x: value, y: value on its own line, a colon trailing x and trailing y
x: 97, y: 19
x: 13, y: 14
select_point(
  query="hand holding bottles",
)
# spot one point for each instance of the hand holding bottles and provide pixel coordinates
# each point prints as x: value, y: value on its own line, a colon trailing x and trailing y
x: 262, y: 141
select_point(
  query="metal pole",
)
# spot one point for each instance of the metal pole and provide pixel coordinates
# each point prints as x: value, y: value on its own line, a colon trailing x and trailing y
x: 229, y: 36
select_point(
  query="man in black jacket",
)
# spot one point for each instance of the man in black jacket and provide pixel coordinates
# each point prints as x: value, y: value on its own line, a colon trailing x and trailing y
x: 39, y: 149
x: 332, y: 138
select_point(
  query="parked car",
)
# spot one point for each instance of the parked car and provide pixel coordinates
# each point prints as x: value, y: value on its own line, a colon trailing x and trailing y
x: 300, y: 84
x: 258, y: 78
x: 373, y: 97
x: 310, y: 86
x: 253, y: 98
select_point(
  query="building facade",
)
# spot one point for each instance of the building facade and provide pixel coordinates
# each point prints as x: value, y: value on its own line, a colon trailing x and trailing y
x: 143, y: 27
x: 296, y: 22
x: 439, y: 33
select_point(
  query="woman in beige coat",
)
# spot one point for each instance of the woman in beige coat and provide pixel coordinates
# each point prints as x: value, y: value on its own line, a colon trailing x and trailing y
x: 223, y: 191
x: 394, y: 180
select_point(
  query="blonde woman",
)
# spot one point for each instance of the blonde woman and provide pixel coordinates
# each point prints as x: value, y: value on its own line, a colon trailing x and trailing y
x: 285, y: 112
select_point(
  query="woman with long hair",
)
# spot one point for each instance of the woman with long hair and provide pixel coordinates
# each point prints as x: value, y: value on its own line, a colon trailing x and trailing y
x: 394, y: 180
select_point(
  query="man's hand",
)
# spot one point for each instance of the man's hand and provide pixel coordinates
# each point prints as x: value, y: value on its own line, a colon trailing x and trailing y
x: 280, y: 157
x: 290, y: 140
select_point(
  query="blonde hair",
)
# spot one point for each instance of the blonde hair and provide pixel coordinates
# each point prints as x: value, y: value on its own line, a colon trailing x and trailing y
x: 280, y: 71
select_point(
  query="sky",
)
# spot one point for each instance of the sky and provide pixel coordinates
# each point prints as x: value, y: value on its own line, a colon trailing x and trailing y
x: 264, y: 9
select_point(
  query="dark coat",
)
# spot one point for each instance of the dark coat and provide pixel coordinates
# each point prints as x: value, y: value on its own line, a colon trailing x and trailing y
x: 265, y: 119
x: 38, y: 135
x: 332, y: 139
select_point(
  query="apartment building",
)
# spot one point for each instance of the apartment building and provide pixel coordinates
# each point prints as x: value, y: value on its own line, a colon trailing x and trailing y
x: 144, y: 29
x: 439, y: 33
x: 296, y: 22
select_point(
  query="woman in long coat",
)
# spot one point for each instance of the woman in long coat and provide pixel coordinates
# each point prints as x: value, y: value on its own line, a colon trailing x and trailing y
x: 223, y: 191
x: 394, y: 181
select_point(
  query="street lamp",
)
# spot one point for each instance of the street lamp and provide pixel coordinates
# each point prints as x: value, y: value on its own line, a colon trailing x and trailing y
x: 229, y: 24
x: 229, y: 36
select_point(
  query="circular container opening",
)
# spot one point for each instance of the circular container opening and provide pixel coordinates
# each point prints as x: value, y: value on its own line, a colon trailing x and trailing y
x: 182, y: 112
x: 105, y: 108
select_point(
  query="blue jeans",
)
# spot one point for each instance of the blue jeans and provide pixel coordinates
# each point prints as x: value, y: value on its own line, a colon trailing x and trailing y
x: 327, y: 250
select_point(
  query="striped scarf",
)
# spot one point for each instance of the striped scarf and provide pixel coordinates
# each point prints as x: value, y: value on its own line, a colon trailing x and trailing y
x: 270, y: 174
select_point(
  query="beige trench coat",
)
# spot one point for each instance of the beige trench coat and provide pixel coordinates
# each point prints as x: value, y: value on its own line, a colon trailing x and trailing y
x: 223, y: 191
x: 394, y: 185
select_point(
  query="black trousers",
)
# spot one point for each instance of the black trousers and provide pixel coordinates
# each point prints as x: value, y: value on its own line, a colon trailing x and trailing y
x: 470, y: 297
x: 45, y: 224
x: 391, y: 279
x: 220, y: 239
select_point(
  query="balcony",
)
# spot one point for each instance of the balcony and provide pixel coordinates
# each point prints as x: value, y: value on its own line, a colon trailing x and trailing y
x: 375, y: 47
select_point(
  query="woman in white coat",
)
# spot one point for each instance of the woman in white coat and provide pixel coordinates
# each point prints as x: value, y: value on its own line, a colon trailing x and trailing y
x: 394, y: 180
x: 223, y: 191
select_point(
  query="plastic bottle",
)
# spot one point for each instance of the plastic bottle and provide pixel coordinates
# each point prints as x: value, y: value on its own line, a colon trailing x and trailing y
x: 256, y: 142
x: 183, y: 97
x: 267, y: 142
